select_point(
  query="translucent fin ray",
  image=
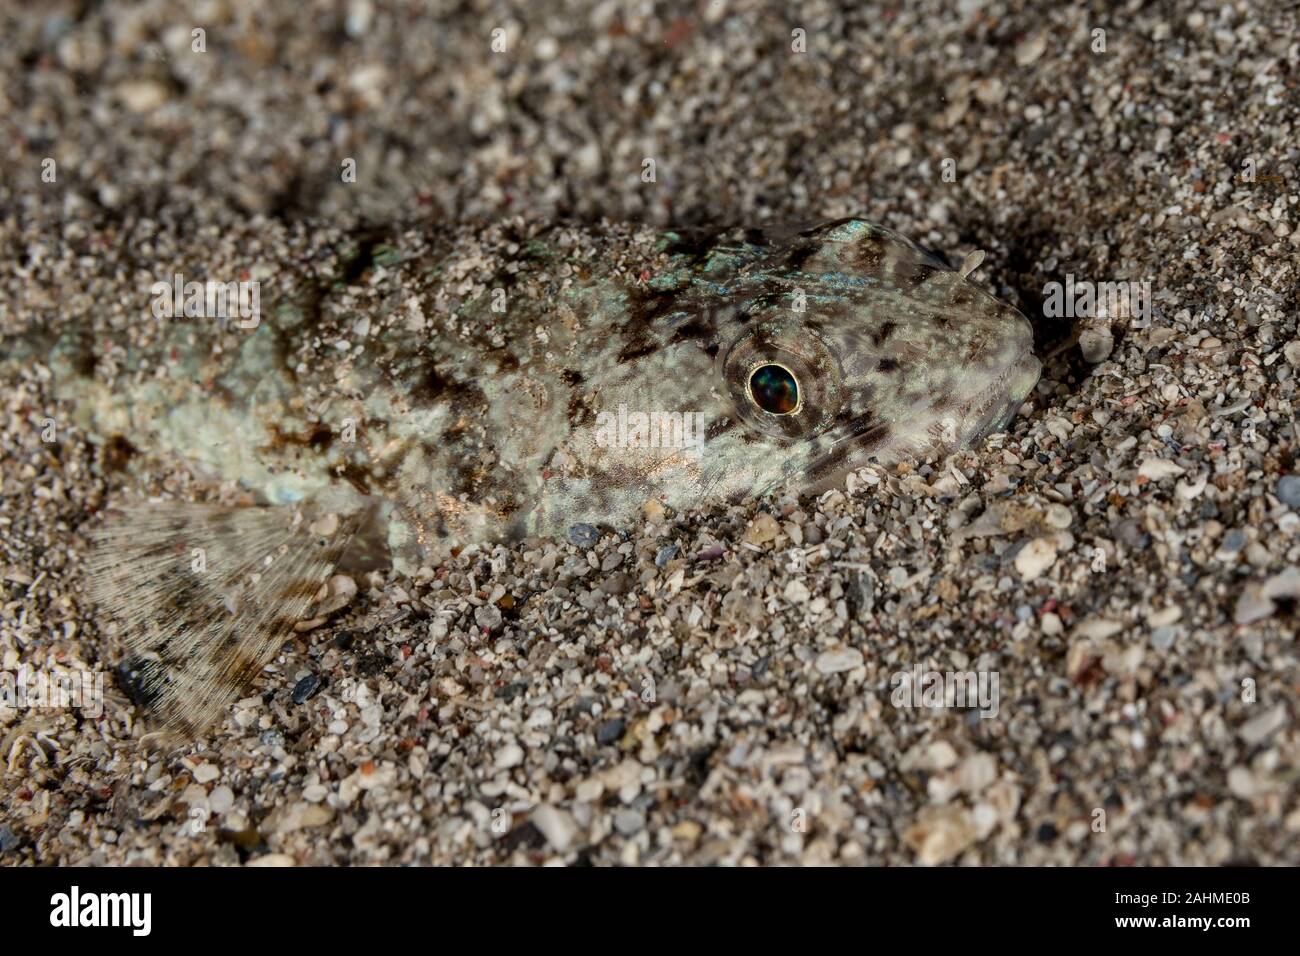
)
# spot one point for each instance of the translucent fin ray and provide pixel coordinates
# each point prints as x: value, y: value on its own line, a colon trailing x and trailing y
x: 208, y: 594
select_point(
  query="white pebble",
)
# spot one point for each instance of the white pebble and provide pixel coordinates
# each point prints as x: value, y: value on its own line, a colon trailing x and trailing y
x: 221, y: 799
x: 839, y: 659
x: 796, y: 592
x: 1035, y: 558
x: 511, y: 755
x: 556, y: 825
x: 1156, y: 468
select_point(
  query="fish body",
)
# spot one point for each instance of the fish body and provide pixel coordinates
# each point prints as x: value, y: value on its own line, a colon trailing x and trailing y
x: 423, y: 398
x: 476, y: 407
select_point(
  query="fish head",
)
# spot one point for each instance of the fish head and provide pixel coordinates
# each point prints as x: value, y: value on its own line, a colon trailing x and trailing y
x: 848, y: 344
x: 745, y: 364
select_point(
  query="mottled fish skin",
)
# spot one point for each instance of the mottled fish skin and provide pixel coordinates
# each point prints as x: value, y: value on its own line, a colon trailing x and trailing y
x: 475, y: 424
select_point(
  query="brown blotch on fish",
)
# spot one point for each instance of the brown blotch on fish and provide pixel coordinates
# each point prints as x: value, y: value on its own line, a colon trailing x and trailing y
x: 356, y: 475
x: 867, y: 255
x: 317, y: 438
x: 118, y: 452
x: 427, y: 385
x: 299, y: 590
x: 241, y: 669
x: 690, y: 330
x: 636, y: 351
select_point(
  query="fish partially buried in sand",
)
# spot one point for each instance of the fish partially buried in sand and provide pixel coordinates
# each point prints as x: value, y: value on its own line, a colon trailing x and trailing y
x: 443, y: 388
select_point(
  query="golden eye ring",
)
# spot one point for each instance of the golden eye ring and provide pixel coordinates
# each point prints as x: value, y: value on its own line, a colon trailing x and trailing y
x: 783, y: 380
x: 773, y: 388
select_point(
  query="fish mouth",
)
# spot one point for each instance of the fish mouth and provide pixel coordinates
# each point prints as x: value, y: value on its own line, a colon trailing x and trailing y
x: 1001, y: 400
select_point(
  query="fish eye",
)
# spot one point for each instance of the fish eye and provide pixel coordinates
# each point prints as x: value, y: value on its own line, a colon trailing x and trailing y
x: 783, y: 381
x: 773, y: 388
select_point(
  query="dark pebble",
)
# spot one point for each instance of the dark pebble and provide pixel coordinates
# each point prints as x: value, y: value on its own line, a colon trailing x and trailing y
x: 1046, y: 832
x: 133, y: 677
x: 371, y: 664
x: 525, y: 836
x: 1233, y: 541
x: 511, y: 691
x: 697, y: 770
x: 246, y: 839
x: 1288, y: 490
x: 610, y: 731
x: 1037, y: 134
x: 584, y: 535
x: 306, y: 689
x: 665, y: 554
x: 860, y: 598
x: 8, y: 840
